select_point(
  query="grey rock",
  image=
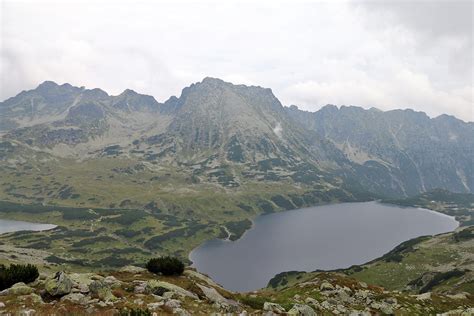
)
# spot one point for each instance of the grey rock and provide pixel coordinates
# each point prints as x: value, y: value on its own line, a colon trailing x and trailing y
x: 26, y: 312
x: 19, y: 288
x: 153, y: 286
x: 173, y: 304
x: 326, y: 286
x: 132, y: 269
x: 301, y: 310
x: 76, y: 298
x: 101, y: 290
x: 273, y: 307
x: 60, y: 284
x: 112, y: 282
x: 154, y: 306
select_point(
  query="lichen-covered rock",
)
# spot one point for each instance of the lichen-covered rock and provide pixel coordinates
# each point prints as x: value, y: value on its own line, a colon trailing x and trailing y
x: 20, y: 288
x: 196, y: 275
x: 75, y: 298
x: 211, y: 294
x: 326, y: 286
x: 81, y: 281
x: 60, y: 284
x: 157, y: 287
x: 301, y: 310
x: 112, y: 282
x: 32, y: 298
x: 273, y: 307
x: 99, y: 289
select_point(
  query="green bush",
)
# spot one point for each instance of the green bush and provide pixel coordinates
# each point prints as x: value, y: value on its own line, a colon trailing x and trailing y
x: 165, y: 265
x: 17, y: 273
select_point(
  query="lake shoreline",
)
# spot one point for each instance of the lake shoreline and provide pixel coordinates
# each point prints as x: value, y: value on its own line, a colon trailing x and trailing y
x: 375, y: 206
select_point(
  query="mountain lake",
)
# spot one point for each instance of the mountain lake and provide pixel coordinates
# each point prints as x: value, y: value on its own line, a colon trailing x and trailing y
x: 8, y: 226
x: 322, y: 237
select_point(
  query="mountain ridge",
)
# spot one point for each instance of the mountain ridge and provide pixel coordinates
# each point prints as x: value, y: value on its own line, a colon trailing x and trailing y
x: 238, y: 128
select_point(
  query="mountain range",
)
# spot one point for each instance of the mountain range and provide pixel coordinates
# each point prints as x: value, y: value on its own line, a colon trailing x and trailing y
x: 228, y: 135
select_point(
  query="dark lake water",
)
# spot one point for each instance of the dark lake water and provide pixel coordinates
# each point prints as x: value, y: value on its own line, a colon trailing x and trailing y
x: 322, y: 237
x: 8, y: 226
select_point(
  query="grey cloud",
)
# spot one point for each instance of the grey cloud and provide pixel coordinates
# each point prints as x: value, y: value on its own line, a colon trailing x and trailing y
x: 309, y: 53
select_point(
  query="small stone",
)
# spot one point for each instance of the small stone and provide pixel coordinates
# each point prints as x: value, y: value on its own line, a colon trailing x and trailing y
x: 138, y: 301
x: 154, y: 306
x: 173, y: 304
x: 311, y: 301
x: 424, y: 296
x: 181, y: 312
x: 27, y: 312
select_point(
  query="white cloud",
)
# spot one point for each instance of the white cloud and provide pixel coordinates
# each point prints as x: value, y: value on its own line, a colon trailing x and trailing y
x: 309, y: 53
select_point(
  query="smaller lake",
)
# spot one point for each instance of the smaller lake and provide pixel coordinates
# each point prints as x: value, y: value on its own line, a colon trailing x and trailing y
x: 8, y: 226
x: 323, y: 237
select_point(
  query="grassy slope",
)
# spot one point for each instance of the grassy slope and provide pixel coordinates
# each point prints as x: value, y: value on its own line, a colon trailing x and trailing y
x: 408, y: 262
x: 167, y: 201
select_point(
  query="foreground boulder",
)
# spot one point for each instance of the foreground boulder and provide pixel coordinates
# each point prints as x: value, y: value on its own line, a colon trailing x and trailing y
x: 19, y: 288
x: 101, y: 290
x: 301, y: 310
x: 60, y: 284
x: 161, y: 287
x: 75, y: 298
x: 219, y: 301
x: 273, y: 307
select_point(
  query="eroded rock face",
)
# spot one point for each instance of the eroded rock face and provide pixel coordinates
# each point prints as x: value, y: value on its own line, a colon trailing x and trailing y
x: 60, y: 284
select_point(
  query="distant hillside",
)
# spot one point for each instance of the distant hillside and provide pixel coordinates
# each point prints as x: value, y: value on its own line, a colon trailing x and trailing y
x: 399, y: 152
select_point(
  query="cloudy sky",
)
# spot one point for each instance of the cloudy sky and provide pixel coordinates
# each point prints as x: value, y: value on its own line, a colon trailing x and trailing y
x: 387, y: 54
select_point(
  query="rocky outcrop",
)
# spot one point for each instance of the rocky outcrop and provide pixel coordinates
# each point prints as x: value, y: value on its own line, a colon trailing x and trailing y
x: 120, y: 292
